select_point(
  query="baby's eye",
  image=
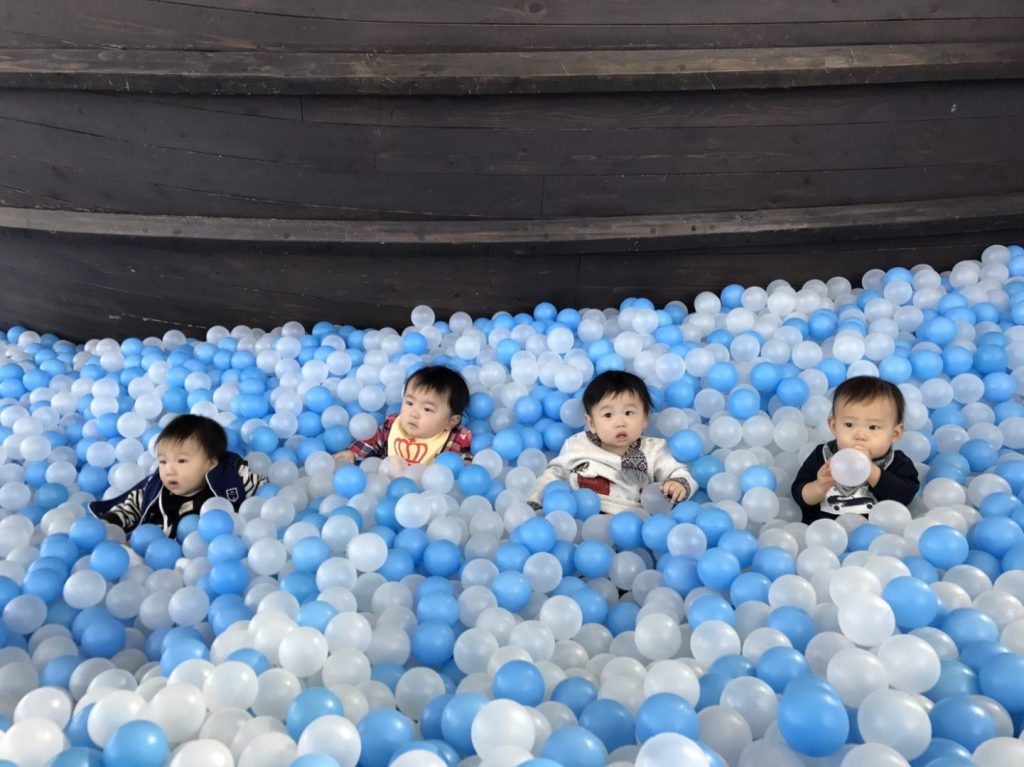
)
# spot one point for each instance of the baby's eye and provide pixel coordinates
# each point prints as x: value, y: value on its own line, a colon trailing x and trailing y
x: 874, y: 427
x: 848, y: 424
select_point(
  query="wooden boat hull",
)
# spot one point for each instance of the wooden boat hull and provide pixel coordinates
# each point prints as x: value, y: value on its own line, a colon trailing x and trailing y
x: 193, y: 165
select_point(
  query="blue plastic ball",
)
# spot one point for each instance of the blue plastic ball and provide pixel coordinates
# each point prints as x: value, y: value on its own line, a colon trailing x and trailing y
x: 574, y: 746
x: 349, y: 481
x: 382, y: 732
x: 686, y: 445
x: 1002, y: 679
x: 962, y: 721
x: 718, y: 568
x: 136, y: 744
x: 943, y: 546
x: 457, y: 720
x: 913, y: 603
x: 812, y: 718
x: 611, y: 722
x: 521, y: 681
x: 665, y: 712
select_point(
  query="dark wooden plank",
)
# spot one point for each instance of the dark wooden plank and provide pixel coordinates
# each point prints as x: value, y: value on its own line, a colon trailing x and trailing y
x: 119, y: 287
x: 682, y: 274
x: 99, y: 118
x: 573, y: 235
x: 103, y: 287
x: 630, y: 195
x: 350, y: 197
x: 481, y: 73
x: 296, y: 34
x: 524, y: 12
x: 801, y: 106
x: 280, y: 107
x: 105, y: 173
x: 96, y: 118
x: 715, y: 150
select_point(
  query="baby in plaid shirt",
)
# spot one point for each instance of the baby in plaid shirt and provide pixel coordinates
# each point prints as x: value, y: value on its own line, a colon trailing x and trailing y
x: 428, y: 423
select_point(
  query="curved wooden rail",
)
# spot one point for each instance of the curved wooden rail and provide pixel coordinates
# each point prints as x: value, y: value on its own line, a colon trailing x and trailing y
x: 474, y: 74
x: 607, y: 233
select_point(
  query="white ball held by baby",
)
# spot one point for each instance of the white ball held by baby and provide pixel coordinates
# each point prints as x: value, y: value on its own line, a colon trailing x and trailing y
x: 850, y: 467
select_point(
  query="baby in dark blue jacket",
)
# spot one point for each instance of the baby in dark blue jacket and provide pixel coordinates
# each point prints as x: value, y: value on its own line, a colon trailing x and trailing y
x: 194, y: 465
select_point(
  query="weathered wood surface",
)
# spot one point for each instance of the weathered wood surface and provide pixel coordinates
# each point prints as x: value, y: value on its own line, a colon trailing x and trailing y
x: 474, y: 74
x: 84, y: 286
x: 520, y: 157
x: 499, y: 25
x: 641, y: 233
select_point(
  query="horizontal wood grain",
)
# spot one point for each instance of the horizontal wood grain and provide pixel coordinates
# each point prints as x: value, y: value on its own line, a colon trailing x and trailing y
x: 311, y: 73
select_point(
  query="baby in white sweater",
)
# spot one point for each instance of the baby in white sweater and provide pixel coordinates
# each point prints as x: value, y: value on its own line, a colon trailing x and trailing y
x: 611, y: 457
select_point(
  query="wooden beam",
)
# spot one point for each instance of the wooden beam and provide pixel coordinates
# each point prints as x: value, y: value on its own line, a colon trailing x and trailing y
x: 318, y: 73
x: 552, y: 236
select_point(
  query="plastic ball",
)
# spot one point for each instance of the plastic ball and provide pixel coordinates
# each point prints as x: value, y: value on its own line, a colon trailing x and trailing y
x: 136, y: 743
x: 850, y: 467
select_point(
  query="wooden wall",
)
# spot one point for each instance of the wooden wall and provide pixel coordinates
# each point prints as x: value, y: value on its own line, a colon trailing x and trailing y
x: 221, y: 161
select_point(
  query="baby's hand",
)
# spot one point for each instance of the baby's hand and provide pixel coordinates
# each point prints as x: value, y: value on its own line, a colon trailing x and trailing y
x: 825, y: 474
x: 345, y: 456
x: 674, y: 490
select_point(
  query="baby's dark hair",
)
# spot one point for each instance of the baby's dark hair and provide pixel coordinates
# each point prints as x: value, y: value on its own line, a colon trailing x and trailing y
x: 615, y: 382
x: 444, y: 381
x: 868, y: 389
x: 207, y: 432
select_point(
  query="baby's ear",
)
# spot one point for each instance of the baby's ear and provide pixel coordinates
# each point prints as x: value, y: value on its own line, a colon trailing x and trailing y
x: 454, y: 420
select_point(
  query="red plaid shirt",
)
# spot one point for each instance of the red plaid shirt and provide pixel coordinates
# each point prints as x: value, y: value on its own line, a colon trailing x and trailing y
x: 459, y: 441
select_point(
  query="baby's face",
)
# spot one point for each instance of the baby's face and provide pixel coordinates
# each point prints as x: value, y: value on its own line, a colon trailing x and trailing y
x: 618, y: 421
x: 183, y: 465
x: 425, y: 413
x: 870, y: 427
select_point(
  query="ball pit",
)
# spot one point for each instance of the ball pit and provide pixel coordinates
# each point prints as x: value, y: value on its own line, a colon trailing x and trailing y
x: 383, y: 614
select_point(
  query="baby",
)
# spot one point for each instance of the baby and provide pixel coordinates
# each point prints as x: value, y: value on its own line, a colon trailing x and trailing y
x: 867, y: 415
x: 611, y: 457
x: 194, y: 465
x: 428, y: 423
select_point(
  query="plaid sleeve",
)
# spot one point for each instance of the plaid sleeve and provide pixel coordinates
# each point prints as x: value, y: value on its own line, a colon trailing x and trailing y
x: 377, y: 444
x: 460, y: 441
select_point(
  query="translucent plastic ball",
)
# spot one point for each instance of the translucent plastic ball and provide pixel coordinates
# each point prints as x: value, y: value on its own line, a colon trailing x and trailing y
x: 671, y: 748
x: 895, y: 719
x: 502, y: 723
x: 367, y: 551
x: 33, y: 742
x: 850, y: 467
x: 866, y: 619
